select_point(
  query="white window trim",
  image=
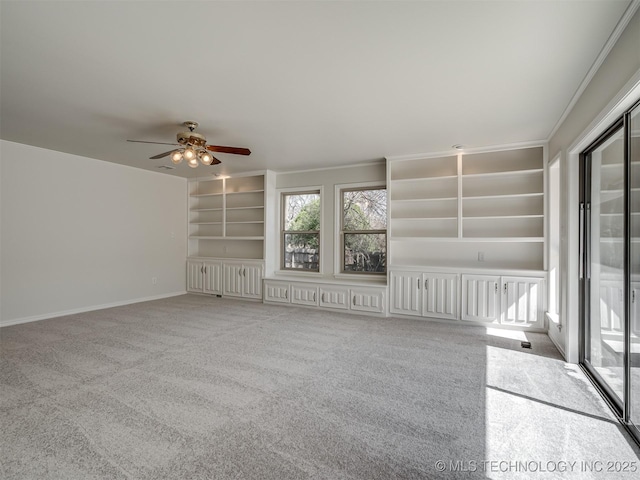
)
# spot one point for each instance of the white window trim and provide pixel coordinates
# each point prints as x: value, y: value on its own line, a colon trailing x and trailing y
x: 554, y: 316
x: 301, y: 190
x: 337, y: 243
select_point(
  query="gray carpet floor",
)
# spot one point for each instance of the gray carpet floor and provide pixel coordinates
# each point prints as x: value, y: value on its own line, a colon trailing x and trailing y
x: 197, y: 387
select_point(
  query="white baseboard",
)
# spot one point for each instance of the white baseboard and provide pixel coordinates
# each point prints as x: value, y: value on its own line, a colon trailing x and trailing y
x: 553, y: 326
x: 35, y: 318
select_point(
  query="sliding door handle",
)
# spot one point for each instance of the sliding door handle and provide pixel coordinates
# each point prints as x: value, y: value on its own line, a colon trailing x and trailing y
x: 581, y: 241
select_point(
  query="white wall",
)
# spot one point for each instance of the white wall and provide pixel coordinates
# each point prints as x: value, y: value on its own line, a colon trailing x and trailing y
x: 78, y: 233
x: 328, y: 179
x: 616, y: 76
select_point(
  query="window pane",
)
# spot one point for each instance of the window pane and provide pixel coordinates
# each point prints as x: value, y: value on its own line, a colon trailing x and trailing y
x: 365, y: 209
x: 365, y: 252
x: 302, y: 212
x: 301, y: 250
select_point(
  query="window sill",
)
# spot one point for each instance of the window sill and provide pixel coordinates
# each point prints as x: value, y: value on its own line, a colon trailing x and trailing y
x: 295, y: 273
x: 379, y: 279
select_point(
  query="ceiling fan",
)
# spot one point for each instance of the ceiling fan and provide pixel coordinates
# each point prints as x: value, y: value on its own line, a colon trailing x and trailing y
x: 193, y: 147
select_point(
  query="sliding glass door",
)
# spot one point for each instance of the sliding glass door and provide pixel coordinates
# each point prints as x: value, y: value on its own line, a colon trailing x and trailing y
x: 634, y: 290
x: 610, y: 265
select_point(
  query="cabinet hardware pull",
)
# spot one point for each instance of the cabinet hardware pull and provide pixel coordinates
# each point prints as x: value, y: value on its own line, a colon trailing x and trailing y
x: 205, y: 269
x: 426, y: 284
x: 240, y: 272
x: 314, y: 296
x: 505, y: 288
x: 244, y: 272
x: 201, y: 270
x: 418, y: 284
x: 633, y: 296
x: 322, y: 297
x: 286, y: 294
x: 496, y: 288
x: 354, y: 299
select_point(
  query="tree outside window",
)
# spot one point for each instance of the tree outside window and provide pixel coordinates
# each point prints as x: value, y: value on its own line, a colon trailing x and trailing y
x: 301, y: 231
x: 364, y: 230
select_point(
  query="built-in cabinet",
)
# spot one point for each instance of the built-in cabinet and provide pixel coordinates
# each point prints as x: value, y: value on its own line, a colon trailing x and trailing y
x: 480, y: 298
x: 504, y: 300
x: 424, y: 294
x: 460, y: 225
x: 507, y: 300
x: 243, y: 279
x: 348, y: 297
x: 228, y: 234
x: 465, y: 241
x: 204, y: 276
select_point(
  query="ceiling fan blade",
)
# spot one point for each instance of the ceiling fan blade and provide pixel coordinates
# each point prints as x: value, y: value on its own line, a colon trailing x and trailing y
x: 156, y: 143
x: 234, y: 150
x: 161, y: 155
x: 215, y: 161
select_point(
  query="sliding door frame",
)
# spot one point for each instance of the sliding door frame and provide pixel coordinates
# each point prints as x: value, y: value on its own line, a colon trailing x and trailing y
x: 620, y: 406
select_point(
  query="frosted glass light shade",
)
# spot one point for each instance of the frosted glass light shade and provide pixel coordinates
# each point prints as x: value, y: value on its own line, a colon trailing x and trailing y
x: 176, y: 157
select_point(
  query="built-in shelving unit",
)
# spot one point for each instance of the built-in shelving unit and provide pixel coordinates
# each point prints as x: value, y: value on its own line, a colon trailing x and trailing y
x: 469, y: 210
x: 227, y: 217
x: 230, y: 227
x: 424, y: 201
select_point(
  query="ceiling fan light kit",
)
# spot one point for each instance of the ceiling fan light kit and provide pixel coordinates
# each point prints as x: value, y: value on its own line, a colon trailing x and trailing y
x: 195, y: 148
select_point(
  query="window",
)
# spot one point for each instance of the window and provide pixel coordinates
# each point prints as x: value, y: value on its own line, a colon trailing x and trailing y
x: 363, y: 230
x: 301, y: 231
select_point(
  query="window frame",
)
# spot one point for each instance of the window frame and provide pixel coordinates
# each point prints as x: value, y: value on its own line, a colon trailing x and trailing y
x: 312, y: 190
x: 340, y: 256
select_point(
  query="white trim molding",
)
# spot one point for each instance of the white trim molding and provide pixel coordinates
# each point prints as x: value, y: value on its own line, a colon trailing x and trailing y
x: 73, y: 311
x: 611, y: 41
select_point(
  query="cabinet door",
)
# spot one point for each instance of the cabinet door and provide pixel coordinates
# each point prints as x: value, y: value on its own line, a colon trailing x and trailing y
x: 440, y: 295
x: 194, y: 276
x: 212, y: 278
x: 522, y: 301
x: 252, y: 281
x: 304, y: 294
x: 406, y: 295
x: 232, y: 273
x: 276, y: 292
x: 480, y: 298
x: 334, y: 297
x: 367, y: 300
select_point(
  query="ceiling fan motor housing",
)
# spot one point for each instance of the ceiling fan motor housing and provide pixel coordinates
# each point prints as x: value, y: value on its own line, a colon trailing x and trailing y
x: 191, y: 138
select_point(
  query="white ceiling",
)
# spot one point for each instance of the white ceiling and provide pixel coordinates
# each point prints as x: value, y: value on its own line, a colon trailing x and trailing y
x: 302, y: 84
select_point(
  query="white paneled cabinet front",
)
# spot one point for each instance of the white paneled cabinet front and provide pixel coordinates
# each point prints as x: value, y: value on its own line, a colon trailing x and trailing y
x: 276, y: 292
x: 304, y: 294
x: 347, y: 297
x: 425, y: 294
x: 204, y: 277
x: 440, y: 295
x: 515, y: 301
x: 522, y: 303
x: 243, y: 280
x: 406, y: 295
x: 194, y: 276
x: 212, y: 278
x: 481, y: 298
x: 334, y: 297
x: 367, y: 300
